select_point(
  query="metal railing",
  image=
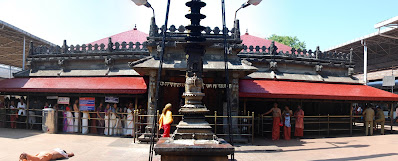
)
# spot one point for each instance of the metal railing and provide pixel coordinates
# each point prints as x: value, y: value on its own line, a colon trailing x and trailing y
x: 111, y: 126
x: 244, y: 125
x: 320, y: 123
x: 12, y: 119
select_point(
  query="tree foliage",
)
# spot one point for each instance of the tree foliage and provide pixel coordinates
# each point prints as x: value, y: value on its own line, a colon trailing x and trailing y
x: 289, y: 41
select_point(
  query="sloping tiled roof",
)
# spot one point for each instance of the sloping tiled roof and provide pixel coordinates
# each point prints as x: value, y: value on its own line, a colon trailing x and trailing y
x: 138, y: 36
x: 257, y: 41
x: 127, y: 36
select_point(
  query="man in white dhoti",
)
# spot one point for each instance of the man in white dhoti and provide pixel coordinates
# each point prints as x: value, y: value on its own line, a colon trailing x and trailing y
x: 106, y: 118
x: 77, y: 116
x: 85, y: 122
x: 118, y: 123
x: 69, y: 120
x: 130, y: 121
x: 112, y: 128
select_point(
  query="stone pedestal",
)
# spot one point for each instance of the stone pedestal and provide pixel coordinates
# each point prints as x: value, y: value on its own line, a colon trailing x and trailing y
x: 193, y: 150
x: 193, y: 139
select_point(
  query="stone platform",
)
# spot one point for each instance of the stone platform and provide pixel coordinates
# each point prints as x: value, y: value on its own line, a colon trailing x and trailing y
x: 193, y: 150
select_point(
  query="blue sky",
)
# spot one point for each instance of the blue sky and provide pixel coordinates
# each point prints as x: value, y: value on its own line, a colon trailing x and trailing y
x: 326, y: 23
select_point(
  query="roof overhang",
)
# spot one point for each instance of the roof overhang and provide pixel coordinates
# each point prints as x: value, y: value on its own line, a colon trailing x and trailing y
x: 390, y: 22
x: 309, y: 90
x: 382, y: 50
x: 109, y: 85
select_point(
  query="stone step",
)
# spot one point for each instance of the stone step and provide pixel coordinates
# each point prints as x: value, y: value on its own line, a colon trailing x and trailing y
x: 146, y: 138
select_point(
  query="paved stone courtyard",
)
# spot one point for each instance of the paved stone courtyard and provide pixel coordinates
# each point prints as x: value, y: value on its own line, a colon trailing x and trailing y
x: 100, y: 148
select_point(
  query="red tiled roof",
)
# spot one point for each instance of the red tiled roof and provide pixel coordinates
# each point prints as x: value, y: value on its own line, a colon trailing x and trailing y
x: 257, y: 41
x: 117, y: 85
x: 127, y: 36
x: 138, y: 36
x: 309, y: 90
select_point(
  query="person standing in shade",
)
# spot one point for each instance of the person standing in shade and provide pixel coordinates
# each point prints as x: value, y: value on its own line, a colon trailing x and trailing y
x: 106, y: 119
x: 299, y: 126
x: 69, y: 120
x: 77, y: 116
x: 380, y: 119
x: 22, y: 110
x: 93, y: 121
x: 100, y: 116
x: 2, y: 114
x: 112, y: 125
x: 119, y: 121
x: 166, y: 119
x: 32, y: 112
x: 6, y: 105
x: 46, y: 105
x: 277, y: 117
x: 369, y: 114
x: 65, y: 119
x: 287, y: 113
x: 14, y: 115
x: 85, y: 118
x: 124, y: 119
x: 130, y: 121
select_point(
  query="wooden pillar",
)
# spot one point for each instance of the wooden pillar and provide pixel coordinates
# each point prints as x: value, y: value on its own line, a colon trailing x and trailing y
x: 134, y: 123
x: 351, y: 108
x: 27, y: 111
x: 252, y: 127
x: 244, y: 106
x: 215, y: 122
x: 391, y: 116
x: 136, y: 103
x: 328, y: 124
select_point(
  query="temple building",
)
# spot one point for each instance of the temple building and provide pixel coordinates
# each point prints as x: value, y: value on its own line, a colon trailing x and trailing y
x: 261, y: 72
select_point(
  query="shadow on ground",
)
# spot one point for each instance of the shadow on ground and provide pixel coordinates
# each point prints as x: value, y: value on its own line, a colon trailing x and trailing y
x: 17, y: 133
x: 379, y: 156
x: 267, y: 146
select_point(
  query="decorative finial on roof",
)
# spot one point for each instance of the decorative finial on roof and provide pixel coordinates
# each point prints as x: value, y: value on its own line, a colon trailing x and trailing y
x: 135, y: 27
x: 247, y: 32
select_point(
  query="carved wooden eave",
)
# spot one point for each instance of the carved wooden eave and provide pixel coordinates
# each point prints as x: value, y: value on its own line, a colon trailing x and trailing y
x: 305, y: 76
x: 142, y: 66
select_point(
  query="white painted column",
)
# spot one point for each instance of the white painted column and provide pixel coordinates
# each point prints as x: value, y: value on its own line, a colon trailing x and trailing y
x: 10, y: 72
x: 365, y: 62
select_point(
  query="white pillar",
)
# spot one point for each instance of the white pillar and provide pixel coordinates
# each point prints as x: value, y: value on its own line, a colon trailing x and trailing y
x: 365, y: 63
x: 10, y: 72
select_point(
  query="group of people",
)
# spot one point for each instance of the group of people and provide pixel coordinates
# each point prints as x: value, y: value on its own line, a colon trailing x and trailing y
x: 16, y: 110
x: 371, y: 121
x: 284, y: 119
x: 108, y: 119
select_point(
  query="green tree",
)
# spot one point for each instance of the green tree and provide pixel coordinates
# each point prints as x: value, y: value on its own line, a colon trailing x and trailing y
x: 289, y: 41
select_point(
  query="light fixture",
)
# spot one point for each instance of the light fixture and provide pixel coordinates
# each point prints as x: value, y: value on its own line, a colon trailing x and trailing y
x: 254, y: 2
x: 140, y: 2
x: 248, y: 3
x: 145, y: 3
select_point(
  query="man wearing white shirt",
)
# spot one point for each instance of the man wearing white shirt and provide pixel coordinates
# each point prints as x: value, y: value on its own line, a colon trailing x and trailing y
x: 22, y: 107
x: 22, y: 110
